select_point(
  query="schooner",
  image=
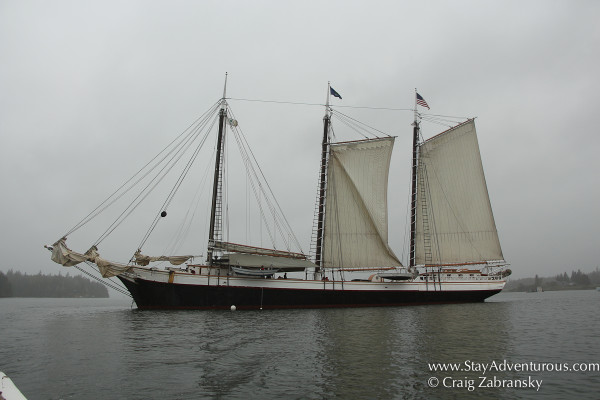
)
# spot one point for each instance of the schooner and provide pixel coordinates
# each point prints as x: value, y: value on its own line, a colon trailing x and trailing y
x: 455, y: 253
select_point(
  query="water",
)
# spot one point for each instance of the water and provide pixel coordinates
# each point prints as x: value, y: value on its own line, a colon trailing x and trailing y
x: 101, y: 348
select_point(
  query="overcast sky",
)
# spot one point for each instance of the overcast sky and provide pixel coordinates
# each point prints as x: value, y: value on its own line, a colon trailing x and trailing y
x: 90, y: 91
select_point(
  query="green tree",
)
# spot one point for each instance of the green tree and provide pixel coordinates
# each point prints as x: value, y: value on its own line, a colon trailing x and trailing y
x: 40, y: 285
x: 5, y: 286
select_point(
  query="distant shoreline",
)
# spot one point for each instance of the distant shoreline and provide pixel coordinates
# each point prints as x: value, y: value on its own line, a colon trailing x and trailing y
x: 577, y: 280
x: 17, y: 284
x: 550, y: 289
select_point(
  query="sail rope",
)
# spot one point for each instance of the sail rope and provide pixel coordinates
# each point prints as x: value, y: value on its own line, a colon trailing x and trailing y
x: 349, y: 125
x: 123, y: 189
x: 250, y: 172
x: 184, y: 228
x: 319, y: 104
x: 431, y: 211
x: 153, y: 183
x: 225, y: 187
x: 446, y: 120
x: 357, y: 126
x: 170, y: 156
x: 118, y: 288
x: 179, y: 181
x: 442, y: 120
x: 190, y: 141
x: 256, y: 178
x: 253, y: 175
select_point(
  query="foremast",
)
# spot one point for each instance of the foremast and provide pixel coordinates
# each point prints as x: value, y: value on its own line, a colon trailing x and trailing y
x: 215, y: 230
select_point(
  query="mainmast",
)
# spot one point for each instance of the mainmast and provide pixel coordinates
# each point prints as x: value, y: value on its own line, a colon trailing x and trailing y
x: 322, y: 183
x: 413, y: 193
x: 216, y: 207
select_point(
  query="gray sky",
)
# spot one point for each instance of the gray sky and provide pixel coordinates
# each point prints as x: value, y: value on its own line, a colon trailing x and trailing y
x: 90, y: 91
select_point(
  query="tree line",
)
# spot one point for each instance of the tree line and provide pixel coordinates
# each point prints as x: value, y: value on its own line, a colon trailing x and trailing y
x: 575, y: 280
x: 17, y: 284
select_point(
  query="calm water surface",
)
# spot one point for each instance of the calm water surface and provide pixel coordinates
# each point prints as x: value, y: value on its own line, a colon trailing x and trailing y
x: 102, y: 348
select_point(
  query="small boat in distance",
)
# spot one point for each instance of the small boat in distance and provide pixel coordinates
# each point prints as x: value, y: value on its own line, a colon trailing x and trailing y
x: 455, y: 253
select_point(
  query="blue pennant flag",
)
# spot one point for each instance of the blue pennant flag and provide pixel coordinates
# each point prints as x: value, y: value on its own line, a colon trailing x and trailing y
x: 334, y: 93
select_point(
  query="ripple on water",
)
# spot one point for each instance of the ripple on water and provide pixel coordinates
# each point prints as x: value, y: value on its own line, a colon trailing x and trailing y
x: 100, y: 348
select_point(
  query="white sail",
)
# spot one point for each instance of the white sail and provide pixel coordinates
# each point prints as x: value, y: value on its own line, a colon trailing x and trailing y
x: 455, y: 223
x: 355, y: 229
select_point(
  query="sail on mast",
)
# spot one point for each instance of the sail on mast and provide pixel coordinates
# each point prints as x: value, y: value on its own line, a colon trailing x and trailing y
x: 455, y: 223
x: 355, y: 227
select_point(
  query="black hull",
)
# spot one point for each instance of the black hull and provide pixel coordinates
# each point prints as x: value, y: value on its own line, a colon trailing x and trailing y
x: 150, y: 295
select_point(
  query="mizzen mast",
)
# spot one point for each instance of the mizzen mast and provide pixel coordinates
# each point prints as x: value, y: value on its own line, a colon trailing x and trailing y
x: 413, y: 191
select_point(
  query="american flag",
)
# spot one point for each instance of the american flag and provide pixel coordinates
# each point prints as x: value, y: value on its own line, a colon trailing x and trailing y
x: 421, y: 101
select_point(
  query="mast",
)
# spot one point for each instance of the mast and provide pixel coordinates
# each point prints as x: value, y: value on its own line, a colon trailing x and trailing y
x: 413, y: 193
x: 215, y: 210
x: 322, y: 181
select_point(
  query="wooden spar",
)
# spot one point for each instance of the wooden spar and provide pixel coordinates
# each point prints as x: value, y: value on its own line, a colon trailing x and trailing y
x: 242, y: 248
x: 322, y: 180
x: 413, y: 201
x: 322, y: 184
x: 216, y: 183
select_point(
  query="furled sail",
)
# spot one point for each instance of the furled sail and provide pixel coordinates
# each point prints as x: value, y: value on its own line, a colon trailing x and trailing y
x: 261, y: 261
x: 62, y: 255
x: 355, y: 229
x: 242, y: 248
x: 455, y: 223
x: 66, y: 257
x: 141, y: 259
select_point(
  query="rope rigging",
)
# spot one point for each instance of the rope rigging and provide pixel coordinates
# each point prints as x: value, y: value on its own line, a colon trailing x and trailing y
x: 319, y: 104
x: 443, y: 120
x: 258, y: 182
x: 116, y: 287
x: 357, y: 126
x: 424, y: 116
x: 190, y: 142
x: 122, y: 190
x: 184, y: 228
x: 179, y: 181
x: 153, y: 183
